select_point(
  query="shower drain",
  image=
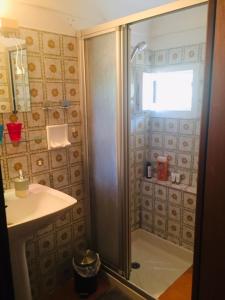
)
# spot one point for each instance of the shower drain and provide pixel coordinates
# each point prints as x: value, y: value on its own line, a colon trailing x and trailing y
x: 135, y: 265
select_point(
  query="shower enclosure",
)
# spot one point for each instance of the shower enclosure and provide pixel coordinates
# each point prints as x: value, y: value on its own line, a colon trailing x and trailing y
x: 143, y: 85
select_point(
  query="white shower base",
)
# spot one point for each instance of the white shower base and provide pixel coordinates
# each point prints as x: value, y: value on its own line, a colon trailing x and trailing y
x: 162, y: 262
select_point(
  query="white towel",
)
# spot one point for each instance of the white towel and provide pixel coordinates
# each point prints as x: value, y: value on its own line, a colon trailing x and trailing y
x: 57, y: 136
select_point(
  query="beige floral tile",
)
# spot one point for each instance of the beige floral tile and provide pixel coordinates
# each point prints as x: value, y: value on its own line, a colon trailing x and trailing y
x: 79, y: 229
x: 160, y: 223
x: 175, y: 56
x: 157, y: 124
x: 51, y: 43
x: 39, y: 162
x: 157, y: 140
x: 188, y: 234
x: 189, y: 218
x: 64, y: 236
x: 78, y: 211
x: 139, y: 140
x: 63, y: 220
x: 54, y: 91
x: 64, y: 253
x: 160, y: 192
x: 43, y: 179
x: 72, y: 91
x: 147, y: 188
x: 37, y: 139
x: 15, y: 164
x: 71, y: 69
x: 171, y: 125
x: 76, y: 173
x: 75, y: 154
x: 189, y: 201
x: 34, y: 67
x: 174, y: 228
x: 171, y: 142
x: 32, y: 39
x: 160, y: 208
x: 191, y: 53
x: 70, y: 46
x: 185, y: 143
x: 46, y: 244
x: 3, y: 76
x: 78, y: 191
x: 174, y: 196
x: 36, y: 92
x: 53, y: 69
x: 73, y: 114
x: 36, y: 118
x: 186, y: 126
x: 74, y: 134
x: 60, y: 178
x: 58, y: 158
x: 184, y: 160
x: 171, y: 156
x: 174, y: 213
x: 56, y: 116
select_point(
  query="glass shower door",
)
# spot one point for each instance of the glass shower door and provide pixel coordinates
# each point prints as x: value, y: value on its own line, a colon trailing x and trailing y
x: 106, y: 141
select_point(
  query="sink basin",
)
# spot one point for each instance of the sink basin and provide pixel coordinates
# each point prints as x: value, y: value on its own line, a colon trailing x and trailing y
x: 39, y: 208
x: 25, y: 216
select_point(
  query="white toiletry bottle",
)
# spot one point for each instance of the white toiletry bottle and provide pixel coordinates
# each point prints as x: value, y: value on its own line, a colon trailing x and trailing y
x: 21, y: 186
x: 148, y: 170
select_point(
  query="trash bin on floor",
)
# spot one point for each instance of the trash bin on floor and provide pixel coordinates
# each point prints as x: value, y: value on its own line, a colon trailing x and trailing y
x: 86, y: 267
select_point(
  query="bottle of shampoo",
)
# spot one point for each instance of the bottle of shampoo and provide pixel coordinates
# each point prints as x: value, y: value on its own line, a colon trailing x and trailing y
x: 148, y: 170
x: 162, y: 168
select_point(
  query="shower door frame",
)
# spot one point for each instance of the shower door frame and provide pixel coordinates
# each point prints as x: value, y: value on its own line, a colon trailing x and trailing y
x: 122, y: 146
x: 124, y: 90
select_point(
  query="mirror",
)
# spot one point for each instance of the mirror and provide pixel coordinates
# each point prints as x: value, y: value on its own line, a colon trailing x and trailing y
x: 14, y: 81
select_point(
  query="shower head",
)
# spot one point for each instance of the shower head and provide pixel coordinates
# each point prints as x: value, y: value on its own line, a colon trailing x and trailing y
x: 138, y: 48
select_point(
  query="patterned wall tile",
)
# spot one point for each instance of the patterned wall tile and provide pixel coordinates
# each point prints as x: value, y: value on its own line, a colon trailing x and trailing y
x: 174, y: 213
x: 64, y: 236
x: 160, y: 208
x: 170, y: 142
x: 186, y: 126
x: 36, y: 92
x: 160, y: 223
x: 17, y: 163
x: 58, y: 158
x: 79, y: 229
x: 56, y: 116
x: 76, y: 173
x: 191, y: 53
x: 46, y: 244
x: 34, y: 67
x: 157, y: 124
x: 171, y: 156
x: 60, y: 178
x: 189, y: 218
x: 174, y: 228
x: 43, y: 179
x: 40, y: 162
x: 32, y: 39
x: 54, y: 91
x: 184, y: 160
x: 71, y: 69
x: 189, y: 201
x: 37, y: 139
x: 73, y: 114
x: 171, y: 125
x: 160, y: 192
x: 174, y: 196
x: 74, y: 134
x: 72, y: 91
x: 70, y: 46
x: 160, y: 57
x: 175, y: 56
x: 36, y: 118
x: 52, y: 67
x: 188, y: 234
x: 157, y: 140
x: 51, y: 43
x: 140, y: 141
x: 75, y: 154
x: 147, y: 188
x: 185, y: 143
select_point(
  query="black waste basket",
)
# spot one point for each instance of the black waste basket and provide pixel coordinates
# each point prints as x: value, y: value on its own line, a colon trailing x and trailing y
x: 86, y: 267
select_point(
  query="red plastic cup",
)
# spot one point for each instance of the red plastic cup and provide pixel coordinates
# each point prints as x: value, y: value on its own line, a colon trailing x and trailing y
x: 14, y: 130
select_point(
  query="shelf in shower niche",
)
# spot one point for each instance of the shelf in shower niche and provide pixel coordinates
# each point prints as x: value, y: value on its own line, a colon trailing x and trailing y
x: 181, y: 187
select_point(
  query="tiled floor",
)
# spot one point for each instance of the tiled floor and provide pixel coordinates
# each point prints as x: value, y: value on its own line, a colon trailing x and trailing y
x: 161, y: 262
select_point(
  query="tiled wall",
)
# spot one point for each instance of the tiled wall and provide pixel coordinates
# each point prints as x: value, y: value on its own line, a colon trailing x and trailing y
x: 168, y: 210
x: 177, y: 138
x: 53, y: 74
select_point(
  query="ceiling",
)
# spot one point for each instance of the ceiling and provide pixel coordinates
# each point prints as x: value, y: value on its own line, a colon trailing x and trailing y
x: 86, y: 13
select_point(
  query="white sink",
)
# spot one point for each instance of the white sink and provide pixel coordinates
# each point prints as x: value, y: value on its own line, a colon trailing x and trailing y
x: 24, y: 216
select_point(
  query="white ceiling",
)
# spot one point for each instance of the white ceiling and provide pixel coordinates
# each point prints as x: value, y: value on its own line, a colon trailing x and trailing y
x: 86, y: 13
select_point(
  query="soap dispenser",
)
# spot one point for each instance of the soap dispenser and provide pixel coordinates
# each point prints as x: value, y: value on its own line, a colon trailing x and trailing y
x: 21, y: 185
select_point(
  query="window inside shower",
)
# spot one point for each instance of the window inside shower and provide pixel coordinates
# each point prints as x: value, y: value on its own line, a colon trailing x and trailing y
x: 167, y: 57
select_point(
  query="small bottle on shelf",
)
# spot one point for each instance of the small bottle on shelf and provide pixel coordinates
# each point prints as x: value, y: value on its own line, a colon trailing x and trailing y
x: 148, y: 170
